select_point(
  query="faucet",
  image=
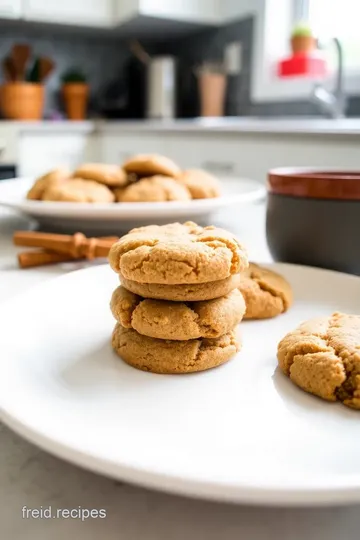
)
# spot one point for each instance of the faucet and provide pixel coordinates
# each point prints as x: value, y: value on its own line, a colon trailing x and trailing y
x: 332, y: 104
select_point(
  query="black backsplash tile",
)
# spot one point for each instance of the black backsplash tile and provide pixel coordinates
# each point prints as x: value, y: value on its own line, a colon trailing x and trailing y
x: 100, y: 58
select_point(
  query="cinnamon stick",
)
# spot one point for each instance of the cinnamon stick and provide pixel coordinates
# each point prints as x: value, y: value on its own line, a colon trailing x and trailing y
x: 31, y: 259
x: 76, y: 246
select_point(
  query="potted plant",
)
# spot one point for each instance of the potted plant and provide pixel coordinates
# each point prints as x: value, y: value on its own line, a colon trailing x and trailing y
x: 302, y: 40
x: 22, y: 94
x: 75, y: 92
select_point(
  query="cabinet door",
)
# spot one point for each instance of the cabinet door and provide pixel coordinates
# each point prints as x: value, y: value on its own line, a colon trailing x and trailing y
x: 78, y: 12
x: 187, y: 10
x: 39, y: 153
x: 205, y: 151
x: 10, y: 9
x: 126, y: 9
x: 117, y: 148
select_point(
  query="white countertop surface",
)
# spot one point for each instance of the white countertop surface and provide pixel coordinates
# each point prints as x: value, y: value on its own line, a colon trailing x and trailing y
x: 232, y: 125
x: 87, y: 126
x: 30, y: 477
x: 270, y: 125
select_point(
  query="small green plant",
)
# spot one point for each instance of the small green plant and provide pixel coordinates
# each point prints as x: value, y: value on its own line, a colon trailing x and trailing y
x: 302, y: 30
x: 73, y: 76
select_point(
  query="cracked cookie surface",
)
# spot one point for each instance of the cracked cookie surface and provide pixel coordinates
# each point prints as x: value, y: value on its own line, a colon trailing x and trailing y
x: 322, y: 356
x: 154, y: 189
x: 266, y: 293
x: 177, y: 253
x: 150, y: 164
x: 80, y: 191
x: 110, y: 175
x: 183, y: 293
x: 177, y: 320
x: 165, y: 356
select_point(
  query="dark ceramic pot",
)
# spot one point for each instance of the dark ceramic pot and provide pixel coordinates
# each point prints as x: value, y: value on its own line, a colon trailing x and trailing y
x: 313, y: 218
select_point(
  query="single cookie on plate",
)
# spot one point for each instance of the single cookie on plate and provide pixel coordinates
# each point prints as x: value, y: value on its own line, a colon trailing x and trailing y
x: 177, y: 253
x: 110, y: 175
x: 153, y: 189
x: 266, y: 293
x: 322, y: 356
x: 177, y: 320
x: 200, y: 184
x: 49, y: 179
x: 80, y: 191
x: 151, y: 164
x: 195, y: 292
x: 165, y: 356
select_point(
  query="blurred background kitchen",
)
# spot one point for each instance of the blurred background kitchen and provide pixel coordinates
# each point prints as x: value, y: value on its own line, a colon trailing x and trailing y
x: 210, y: 83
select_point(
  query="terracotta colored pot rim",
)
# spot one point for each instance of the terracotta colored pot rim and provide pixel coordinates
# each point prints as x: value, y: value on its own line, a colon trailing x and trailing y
x: 315, y: 182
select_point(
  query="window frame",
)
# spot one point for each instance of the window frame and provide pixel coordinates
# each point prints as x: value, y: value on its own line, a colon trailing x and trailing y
x: 269, y: 44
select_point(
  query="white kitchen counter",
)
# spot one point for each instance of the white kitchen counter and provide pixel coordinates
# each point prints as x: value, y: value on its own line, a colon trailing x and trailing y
x: 220, y: 145
x: 271, y: 125
x: 31, y: 477
x: 59, y: 126
x: 237, y: 125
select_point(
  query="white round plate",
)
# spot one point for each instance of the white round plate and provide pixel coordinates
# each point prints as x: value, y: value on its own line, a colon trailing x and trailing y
x: 241, y: 432
x: 107, y: 217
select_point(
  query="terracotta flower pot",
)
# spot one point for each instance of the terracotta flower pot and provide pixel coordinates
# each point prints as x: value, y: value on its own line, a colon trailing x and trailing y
x: 302, y: 44
x: 75, y: 97
x: 22, y: 100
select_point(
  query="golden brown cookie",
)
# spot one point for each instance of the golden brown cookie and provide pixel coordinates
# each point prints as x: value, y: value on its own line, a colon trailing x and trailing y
x: 154, y: 189
x: 165, y: 356
x: 183, y: 293
x: 200, y: 184
x: 80, y: 191
x: 151, y: 164
x: 110, y: 175
x: 177, y: 320
x: 52, y: 178
x: 177, y: 253
x: 322, y: 356
x: 266, y: 293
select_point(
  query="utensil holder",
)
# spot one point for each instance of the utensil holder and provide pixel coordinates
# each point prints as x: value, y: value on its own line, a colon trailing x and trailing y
x: 22, y: 100
x: 212, y: 88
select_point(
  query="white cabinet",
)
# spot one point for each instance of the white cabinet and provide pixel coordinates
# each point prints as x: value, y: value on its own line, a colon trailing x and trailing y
x: 237, y: 9
x: 201, y: 11
x: 185, y: 10
x: 186, y: 149
x: 216, y: 154
x: 77, y: 12
x: 41, y: 152
x: 126, y: 10
x: 8, y: 142
x: 10, y: 9
x: 116, y: 148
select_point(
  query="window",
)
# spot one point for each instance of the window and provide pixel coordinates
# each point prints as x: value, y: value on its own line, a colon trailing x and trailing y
x: 274, y: 20
x: 335, y: 18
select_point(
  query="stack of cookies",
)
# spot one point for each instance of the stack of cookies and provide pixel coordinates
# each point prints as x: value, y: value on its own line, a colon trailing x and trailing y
x: 178, y: 304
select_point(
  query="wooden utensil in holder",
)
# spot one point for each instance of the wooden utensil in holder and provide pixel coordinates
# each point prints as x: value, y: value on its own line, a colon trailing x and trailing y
x: 22, y: 95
